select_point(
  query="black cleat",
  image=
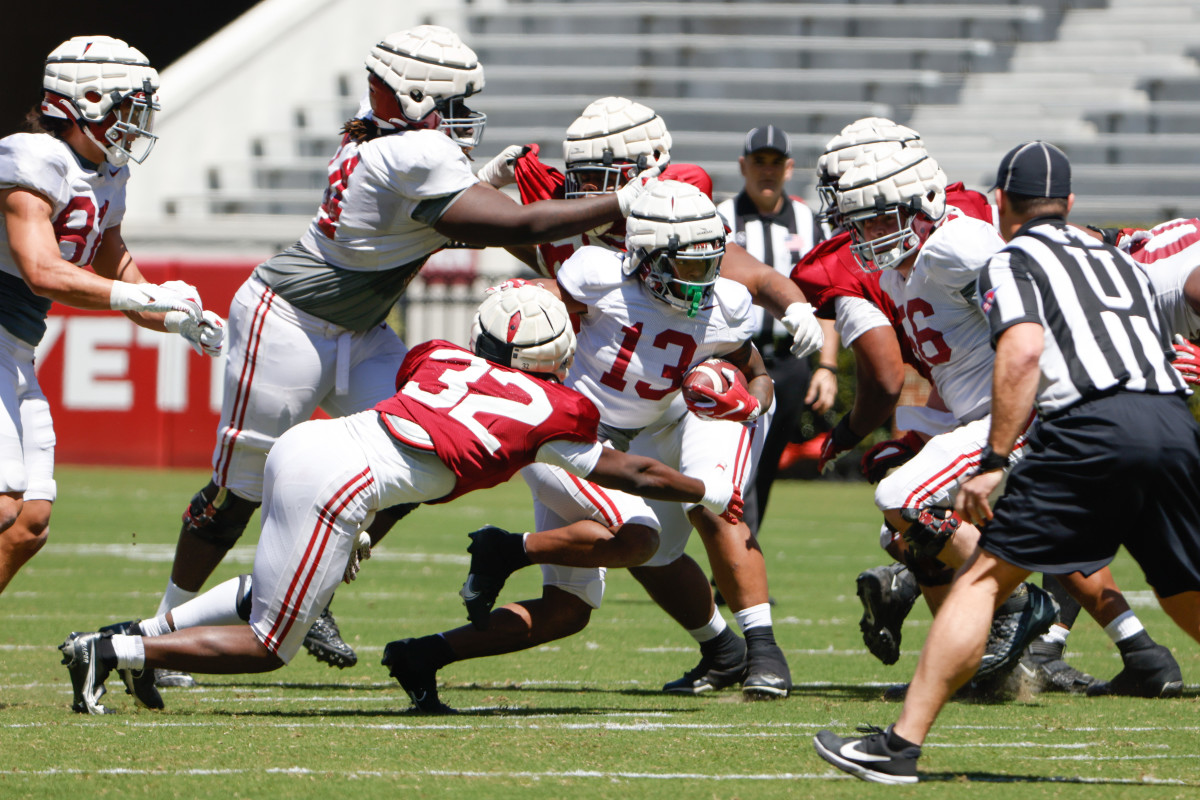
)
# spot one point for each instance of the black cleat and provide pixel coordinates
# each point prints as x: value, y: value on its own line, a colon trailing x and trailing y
x: 887, y: 594
x: 1042, y: 669
x: 417, y: 678
x: 489, y: 570
x: 1026, y: 614
x: 1148, y: 672
x: 324, y: 643
x: 722, y: 664
x: 767, y: 673
x: 87, y: 673
x: 138, y: 684
x: 869, y: 757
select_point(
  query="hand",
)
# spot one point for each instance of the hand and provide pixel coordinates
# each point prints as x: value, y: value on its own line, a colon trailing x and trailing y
x: 735, y: 404
x: 499, y: 171
x: 839, y: 440
x: 206, y: 336
x: 822, y: 390
x: 1187, y: 360
x: 511, y: 283
x: 801, y: 323
x: 886, y: 456
x: 360, y: 553
x: 972, y: 501
x: 152, y: 298
x: 733, y: 512
x: 628, y: 194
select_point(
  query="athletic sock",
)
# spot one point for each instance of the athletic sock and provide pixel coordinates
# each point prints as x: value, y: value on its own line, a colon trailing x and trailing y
x: 1125, y: 627
x: 758, y: 616
x: 715, y: 627
x: 130, y: 652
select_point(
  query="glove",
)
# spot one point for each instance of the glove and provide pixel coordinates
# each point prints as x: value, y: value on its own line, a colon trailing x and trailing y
x: 723, y: 498
x: 360, y: 553
x: 1187, y: 360
x: 628, y: 194
x: 511, y: 283
x: 735, y: 404
x: 802, y: 324
x: 152, y: 298
x: 206, y: 335
x: 885, y: 456
x: 840, y: 439
x: 499, y: 171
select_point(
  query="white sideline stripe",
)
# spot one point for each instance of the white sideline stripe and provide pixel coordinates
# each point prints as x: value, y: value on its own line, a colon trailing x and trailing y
x: 166, y: 553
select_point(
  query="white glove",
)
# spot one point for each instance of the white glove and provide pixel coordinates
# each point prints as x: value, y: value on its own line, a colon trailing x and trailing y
x: 802, y: 324
x: 206, y: 335
x: 628, y: 194
x: 360, y: 553
x: 152, y: 298
x: 499, y: 171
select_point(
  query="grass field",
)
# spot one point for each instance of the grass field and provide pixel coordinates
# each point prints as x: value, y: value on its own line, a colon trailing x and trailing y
x: 582, y: 718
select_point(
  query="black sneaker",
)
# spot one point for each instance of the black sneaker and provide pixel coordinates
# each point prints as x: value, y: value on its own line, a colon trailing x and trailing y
x: 722, y: 663
x: 324, y: 643
x: 87, y: 673
x: 490, y: 568
x: 1149, y: 672
x: 417, y: 678
x: 767, y: 673
x: 887, y: 594
x: 869, y: 757
x: 1042, y: 669
x: 1026, y: 614
x: 138, y: 684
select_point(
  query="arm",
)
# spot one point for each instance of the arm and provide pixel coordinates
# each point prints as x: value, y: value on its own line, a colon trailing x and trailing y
x: 777, y: 294
x: 747, y: 359
x: 486, y: 217
x: 113, y: 261
x: 1191, y: 290
x: 647, y: 477
x: 822, y: 387
x: 879, y: 370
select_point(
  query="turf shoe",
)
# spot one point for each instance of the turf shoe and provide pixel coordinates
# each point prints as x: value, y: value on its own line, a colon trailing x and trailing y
x: 871, y: 757
x: 324, y: 643
x: 139, y: 684
x: 1026, y: 614
x: 1042, y: 669
x: 87, y: 673
x: 887, y: 594
x: 722, y: 663
x: 417, y: 677
x: 1149, y: 671
x: 495, y: 554
x: 173, y: 679
x: 767, y: 673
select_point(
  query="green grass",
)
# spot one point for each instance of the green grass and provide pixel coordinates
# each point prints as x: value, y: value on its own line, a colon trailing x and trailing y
x: 581, y: 718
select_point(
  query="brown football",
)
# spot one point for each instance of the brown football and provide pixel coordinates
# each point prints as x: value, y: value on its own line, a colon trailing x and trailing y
x: 711, y: 375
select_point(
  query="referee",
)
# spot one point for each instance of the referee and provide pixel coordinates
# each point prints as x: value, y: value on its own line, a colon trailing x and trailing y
x: 1113, y: 455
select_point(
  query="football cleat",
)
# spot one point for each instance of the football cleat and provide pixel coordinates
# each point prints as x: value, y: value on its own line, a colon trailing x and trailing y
x: 486, y: 576
x: 869, y: 757
x: 767, y: 673
x: 1149, y: 672
x: 722, y: 664
x: 139, y: 684
x: 887, y: 594
x: 418, y: 679
x: 173, y: 679
x: 1042, y: 669
x: 324, y: 643
x: 1026, y: 614
x: 87, y: 673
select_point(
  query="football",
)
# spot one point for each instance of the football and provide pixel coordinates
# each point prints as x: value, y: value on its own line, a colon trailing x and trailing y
x: 714, y: 376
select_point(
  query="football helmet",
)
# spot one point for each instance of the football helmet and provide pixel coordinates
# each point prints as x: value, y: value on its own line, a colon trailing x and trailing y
x: 609, y: 143
x: 420, y: 78
x: 674, y: 241
x: 107, y: 88
x: 868, y: 133
x: 524, y: 327
x: 906, y: 186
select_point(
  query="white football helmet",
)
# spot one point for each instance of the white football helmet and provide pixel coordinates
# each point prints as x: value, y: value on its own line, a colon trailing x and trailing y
x: 674, y: 241
x: 906, y: 186
x: 108, y: 89
x: 419, y: 78
x: 609, y: 143
x: 860, y: 136
x: 524, y: 327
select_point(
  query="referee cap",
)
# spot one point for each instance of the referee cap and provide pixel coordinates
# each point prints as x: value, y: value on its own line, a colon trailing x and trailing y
x: 768, y: 137
x: 1035, y: 169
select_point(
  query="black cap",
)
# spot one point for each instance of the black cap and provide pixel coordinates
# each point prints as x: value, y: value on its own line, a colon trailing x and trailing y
x: 768, y: 137
x: 1035, y: 169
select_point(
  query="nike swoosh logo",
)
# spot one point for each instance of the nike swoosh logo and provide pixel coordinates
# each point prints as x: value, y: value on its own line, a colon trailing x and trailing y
x: 467, y: 592
x: 850, y: 751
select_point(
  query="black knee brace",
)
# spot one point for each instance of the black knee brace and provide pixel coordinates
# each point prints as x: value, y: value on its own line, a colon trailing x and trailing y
x: 217, y: 516
x: 928, y: 532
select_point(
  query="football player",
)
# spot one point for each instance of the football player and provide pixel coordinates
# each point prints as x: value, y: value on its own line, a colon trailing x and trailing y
x: 307, y: 328
x: 460, y: 420
x: 62, y: 197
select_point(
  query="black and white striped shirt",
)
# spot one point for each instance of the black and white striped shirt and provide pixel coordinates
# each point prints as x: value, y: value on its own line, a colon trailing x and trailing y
x: 1102, y: 330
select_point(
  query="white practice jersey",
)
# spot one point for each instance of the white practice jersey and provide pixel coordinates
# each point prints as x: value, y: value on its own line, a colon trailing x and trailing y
x: 377, y: 189
x: 86, y: 200
x: 942, y: 321
x: 634, y: 349
x: 1168, y: 256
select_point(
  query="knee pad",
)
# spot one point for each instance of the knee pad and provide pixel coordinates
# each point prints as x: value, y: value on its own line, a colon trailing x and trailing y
x: 921, y: 542
x: 217, y: 516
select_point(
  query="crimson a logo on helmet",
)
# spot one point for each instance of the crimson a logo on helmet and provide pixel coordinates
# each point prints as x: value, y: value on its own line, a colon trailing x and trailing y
x: 514, y: 323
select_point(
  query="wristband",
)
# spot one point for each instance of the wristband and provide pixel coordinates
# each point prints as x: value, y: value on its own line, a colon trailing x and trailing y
x: 989, y: 459
x: 834, y: 370
x: 843, y: 435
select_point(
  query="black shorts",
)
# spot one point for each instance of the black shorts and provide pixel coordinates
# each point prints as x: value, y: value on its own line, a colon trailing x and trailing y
x: 1116, y: 470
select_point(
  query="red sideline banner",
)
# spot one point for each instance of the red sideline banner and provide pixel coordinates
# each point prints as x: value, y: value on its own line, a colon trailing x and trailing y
x: 124, y: 395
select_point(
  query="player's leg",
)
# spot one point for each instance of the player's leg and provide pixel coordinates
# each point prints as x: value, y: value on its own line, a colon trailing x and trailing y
x: 27, y: 487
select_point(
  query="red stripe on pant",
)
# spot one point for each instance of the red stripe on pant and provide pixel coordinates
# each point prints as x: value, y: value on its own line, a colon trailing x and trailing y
x: 237, y: 415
